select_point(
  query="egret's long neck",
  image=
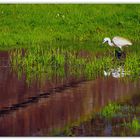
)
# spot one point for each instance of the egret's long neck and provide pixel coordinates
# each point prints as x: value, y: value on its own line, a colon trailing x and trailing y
x: 110, y: 43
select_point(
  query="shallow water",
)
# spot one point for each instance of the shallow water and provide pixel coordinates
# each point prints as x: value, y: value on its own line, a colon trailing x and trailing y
x: 41, y: 108
x: 125, y: 122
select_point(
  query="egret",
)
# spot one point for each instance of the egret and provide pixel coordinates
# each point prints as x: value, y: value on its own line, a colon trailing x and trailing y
x: 118, y: 42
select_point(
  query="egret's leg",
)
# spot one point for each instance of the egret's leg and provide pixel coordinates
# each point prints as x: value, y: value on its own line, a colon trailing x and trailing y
x: 118, y: 54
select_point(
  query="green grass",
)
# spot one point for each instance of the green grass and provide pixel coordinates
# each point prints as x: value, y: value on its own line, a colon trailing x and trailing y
x: 132, y: 64
x: 135, y: 124
x: 114, y: 109
x: 110, y: 110
x: 53, y: 32
x: 38, y: 62
x: 42, y: 23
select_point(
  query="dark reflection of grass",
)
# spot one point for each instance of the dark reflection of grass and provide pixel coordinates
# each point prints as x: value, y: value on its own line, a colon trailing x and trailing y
x: 68, y: 129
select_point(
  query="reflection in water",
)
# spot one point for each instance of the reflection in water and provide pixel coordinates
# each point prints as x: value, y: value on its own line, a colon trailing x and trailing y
x: 44, y: 113
x: 124, y: 122
x: 63, y: 108
x: 117, y: 73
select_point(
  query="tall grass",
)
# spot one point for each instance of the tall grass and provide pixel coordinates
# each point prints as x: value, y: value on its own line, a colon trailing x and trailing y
x: 46, y: 61
x: 40, y: 61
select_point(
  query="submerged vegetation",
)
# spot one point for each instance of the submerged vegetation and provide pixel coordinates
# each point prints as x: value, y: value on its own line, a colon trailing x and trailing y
x: 38, y: 23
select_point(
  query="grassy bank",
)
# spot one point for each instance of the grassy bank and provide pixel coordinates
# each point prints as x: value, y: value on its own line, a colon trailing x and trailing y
x: 31, y: 24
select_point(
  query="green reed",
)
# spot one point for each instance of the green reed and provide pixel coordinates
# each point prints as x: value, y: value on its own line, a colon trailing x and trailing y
x: 110, y: 110
x: 50, y: 61
x: 45, y: 61
x: 132, y: 64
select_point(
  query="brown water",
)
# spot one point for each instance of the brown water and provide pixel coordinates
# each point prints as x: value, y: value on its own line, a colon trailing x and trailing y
x: 125, y: 122
x: 40, y: 109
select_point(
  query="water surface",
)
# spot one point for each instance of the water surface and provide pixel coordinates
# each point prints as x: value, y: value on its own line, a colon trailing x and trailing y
x: 51, y: 104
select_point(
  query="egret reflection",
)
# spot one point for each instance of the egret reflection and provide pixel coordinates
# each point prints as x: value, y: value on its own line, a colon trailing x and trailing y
x: 117, y: 73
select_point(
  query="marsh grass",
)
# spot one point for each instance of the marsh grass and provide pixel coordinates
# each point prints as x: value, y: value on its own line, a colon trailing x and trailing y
x: 110, y: 110
x: 135, y: 124
x: 34, y: 27
x: 132, y: 64
x: 119, y: 111
x: 38, y: 62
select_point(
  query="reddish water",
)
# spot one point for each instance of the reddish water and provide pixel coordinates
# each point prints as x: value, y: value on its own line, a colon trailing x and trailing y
x: 27, y: 110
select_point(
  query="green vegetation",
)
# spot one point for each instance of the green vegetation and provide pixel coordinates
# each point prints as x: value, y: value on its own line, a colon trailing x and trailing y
x: 124, y: 113
x: 135, y: 124
x: 41, y: 23
x: 53, y: 35
x: 39, y: 62
x: 110, y: 110
x: 132, y: 64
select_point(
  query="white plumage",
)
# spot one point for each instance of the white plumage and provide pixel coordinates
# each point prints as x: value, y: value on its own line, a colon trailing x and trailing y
x: 118, y: 42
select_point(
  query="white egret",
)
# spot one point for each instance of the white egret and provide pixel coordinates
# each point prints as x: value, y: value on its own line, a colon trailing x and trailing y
x: 117, y: 42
